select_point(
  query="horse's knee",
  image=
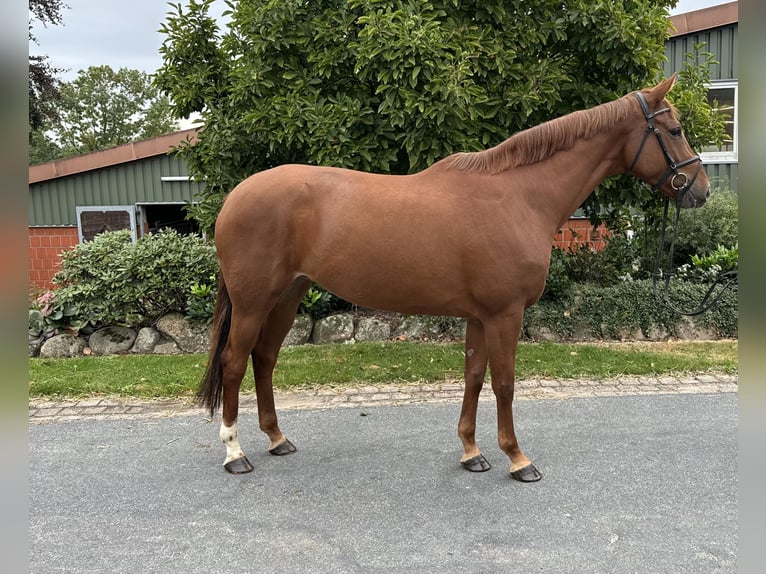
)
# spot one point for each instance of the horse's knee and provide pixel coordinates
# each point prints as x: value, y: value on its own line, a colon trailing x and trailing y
x: 503, y: 390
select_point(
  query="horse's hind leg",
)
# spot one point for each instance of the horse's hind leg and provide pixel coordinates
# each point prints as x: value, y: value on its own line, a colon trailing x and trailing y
x: 243, y: 335
x: 273, y: 333
x: 475, y: 371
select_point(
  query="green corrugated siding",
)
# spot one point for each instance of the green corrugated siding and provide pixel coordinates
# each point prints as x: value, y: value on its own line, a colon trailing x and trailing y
x: 723, y: 175
x: 53, y: 202
x: 721, y: 42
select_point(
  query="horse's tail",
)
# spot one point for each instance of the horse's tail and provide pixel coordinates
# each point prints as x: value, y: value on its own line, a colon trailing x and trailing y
x: 210, y: 393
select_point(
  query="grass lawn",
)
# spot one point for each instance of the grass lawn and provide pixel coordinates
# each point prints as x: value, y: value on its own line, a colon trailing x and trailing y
x: 373, y: 363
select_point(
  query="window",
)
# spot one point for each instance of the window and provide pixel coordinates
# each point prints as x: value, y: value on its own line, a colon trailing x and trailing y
x: 722, y: 96
x: 97, y: 219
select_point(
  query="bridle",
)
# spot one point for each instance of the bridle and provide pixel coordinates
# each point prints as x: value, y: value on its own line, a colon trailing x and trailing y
x: 680, y: 181
x: 681, y: 184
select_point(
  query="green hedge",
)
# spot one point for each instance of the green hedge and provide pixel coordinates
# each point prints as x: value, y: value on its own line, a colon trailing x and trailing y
x: 631, y: 309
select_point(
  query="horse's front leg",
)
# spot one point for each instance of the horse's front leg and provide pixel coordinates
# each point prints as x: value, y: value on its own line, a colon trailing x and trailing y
x: 474, y: 371
x: 502, y: 335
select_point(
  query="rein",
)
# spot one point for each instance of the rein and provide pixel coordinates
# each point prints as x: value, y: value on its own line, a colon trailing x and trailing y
x: 724, y: 280
x: 681, y: 186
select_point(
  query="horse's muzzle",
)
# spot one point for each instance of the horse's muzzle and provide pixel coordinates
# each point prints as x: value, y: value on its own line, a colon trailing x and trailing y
x: 694, y: 197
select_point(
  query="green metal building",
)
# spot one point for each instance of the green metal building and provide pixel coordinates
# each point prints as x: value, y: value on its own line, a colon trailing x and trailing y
x: 716, y: 28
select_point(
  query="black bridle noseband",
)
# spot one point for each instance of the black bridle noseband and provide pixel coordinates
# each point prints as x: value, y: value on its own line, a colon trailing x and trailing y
x: 681, y: 184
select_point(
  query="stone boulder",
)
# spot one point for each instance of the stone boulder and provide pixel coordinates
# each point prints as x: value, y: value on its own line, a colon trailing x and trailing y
x: 300, y: 332
x: 112, y: 340
x: 541, y: 333
x: 62, y: 346
x: 146, y: 340
x: 410, y: 327
x: 190, y: 338
x: 334, y: 329
x: 166, y: 347
x: 372, y: 329
x: 415, y: 327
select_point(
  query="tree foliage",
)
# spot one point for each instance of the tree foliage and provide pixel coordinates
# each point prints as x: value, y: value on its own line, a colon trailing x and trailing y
x: 43, y: 83
x: 392, y: 86
x: 103, y: 108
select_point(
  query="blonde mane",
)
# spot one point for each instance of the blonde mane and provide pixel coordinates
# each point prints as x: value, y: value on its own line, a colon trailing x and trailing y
x: 541, y: 142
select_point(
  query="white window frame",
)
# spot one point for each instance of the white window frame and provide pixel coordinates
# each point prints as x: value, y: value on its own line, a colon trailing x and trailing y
x: 131, y: 209
x: 726, y: 156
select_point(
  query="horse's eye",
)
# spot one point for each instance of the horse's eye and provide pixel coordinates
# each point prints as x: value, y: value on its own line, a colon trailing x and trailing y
x: 676, y: 132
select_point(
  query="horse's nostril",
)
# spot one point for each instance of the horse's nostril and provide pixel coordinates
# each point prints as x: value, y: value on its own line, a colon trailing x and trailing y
x: 707, y: 192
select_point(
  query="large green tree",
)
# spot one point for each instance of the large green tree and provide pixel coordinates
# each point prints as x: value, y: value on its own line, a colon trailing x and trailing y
x: 103, y: 108
x: 43, y: 80
x: 44, y: 83
x: 391, y: 86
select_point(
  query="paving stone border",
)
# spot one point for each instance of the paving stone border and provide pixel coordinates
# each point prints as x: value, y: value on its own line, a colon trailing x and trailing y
x: 42, y: 410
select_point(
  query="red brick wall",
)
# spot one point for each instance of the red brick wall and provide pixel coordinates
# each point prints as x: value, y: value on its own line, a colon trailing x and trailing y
x: 577, y: 232
x: 45, y: 247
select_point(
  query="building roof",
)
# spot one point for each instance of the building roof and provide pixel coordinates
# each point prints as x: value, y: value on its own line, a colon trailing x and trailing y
x: 113, y: 156
x: 705, y: 19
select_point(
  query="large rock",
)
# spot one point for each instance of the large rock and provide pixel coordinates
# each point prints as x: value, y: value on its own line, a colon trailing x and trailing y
x: 166, y: 347
x: 410, y: 327
x: 146, y: 340
x: 334, y: 329
x: 300, y: 332
x: 372, y: 329
x: 541, y: 333
x: 112, y: 340
x: 190, y: 338
x: 61, y: 346
x: 429, y: 327
x: 690, y: 330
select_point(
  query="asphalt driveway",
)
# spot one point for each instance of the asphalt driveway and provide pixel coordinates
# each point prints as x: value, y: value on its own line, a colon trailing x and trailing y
x: 630, y: 484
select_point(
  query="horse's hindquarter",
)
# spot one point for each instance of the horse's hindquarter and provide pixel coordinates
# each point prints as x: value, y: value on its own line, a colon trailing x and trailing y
x: 427, y: 243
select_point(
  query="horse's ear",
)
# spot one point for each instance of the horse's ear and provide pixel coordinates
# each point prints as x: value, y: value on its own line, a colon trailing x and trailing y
x: 659, y: 91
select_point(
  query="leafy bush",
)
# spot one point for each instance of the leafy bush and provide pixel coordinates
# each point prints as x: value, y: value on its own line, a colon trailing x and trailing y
x: 700, y: 231
x: 708, y: 268
x: 615, y: 263
x: 112, y: 280
x: 627, y: 308
x: 55, y: 314
x: 201, y: 302
x: 320, y: 303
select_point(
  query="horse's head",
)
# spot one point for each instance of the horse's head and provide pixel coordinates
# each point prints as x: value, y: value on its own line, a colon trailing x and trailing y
x: 661, y: 156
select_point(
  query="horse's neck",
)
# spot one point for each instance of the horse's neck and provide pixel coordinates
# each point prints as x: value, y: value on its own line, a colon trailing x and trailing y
x: 570, y: 176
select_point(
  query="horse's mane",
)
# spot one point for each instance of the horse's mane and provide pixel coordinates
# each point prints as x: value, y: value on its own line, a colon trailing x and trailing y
x: 542, y: 141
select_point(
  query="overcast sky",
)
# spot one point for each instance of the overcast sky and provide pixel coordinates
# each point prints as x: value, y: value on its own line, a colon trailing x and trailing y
x: 125, y: 34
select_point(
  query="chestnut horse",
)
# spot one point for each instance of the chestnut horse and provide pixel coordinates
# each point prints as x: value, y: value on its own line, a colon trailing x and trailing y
x: 468, y: 237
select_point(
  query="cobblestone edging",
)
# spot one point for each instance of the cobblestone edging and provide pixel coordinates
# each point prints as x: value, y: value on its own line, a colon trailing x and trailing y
x: 42, y: 411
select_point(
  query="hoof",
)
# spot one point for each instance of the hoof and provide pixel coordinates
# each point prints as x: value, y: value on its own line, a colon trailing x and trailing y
x: 283, y: 448
x: 527, y: 474
x: 476, y: 464
x: 238, y: 466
